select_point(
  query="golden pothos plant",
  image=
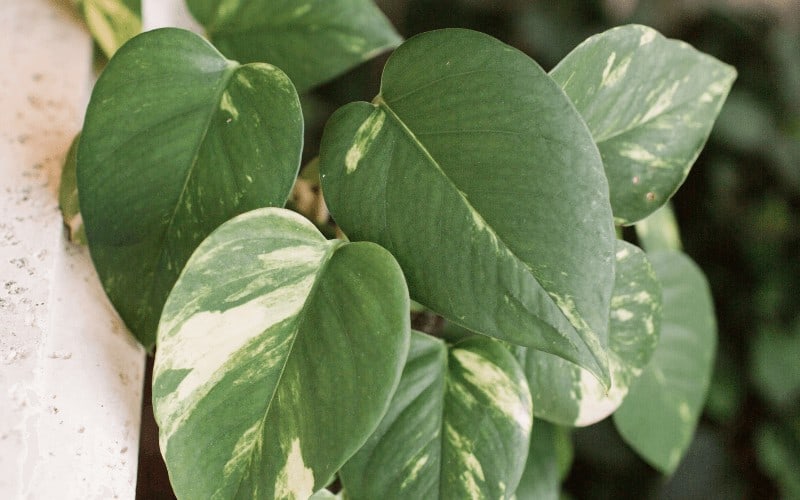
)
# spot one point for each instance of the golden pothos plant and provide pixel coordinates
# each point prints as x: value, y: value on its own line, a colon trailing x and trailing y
x: 475, y: 184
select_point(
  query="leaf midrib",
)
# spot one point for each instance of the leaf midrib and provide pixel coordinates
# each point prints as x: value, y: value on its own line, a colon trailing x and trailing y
x: 227, y: 74
x: 333, y: 245
x: 380, y: 102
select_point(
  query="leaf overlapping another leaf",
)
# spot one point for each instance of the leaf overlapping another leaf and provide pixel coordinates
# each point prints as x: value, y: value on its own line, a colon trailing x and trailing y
x: 457, y: 427
x: 660, y: 413
x: 476, y: 172
x: 650, y: 103
x: 278, y: 354
x: 312, y: 41
x: 177, y: 140
x: 566, y: 394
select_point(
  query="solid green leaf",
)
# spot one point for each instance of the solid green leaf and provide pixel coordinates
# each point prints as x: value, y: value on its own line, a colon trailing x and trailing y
x: 68, y: 196
x: 650, y: 103
x: 278, y: 354
x: 566, y: 394
x: 177, y: 139
x: 660, y: 413
x: 474, y: 169
x: 312, y: 41
x: 543, y: 469
x: 457, y: 427
x: 112, y: 22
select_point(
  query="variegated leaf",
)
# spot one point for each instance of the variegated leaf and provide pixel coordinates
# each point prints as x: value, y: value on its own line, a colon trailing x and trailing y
x: 650, y: 103
x: 278, y: 354
x: 112, y: 22
x: 659, y: 415
x: 566, y: 394
x: 312, y: 41
x: 458, y: 427
x: 474, y: 169
x: 177, y: 140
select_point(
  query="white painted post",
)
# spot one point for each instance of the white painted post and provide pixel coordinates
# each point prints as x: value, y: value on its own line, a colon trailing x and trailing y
x: 70, y: 375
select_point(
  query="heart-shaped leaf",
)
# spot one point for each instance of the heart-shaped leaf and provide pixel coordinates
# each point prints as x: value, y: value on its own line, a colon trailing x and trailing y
x: 457, y: 427
x: 474, y: 169
x: 650, y: 103
x: 112, y: 22
x: 177, y: 139
x: 660, y: 413
x: 566, y: 394
x: 278, y: 354
x: 311, y: 41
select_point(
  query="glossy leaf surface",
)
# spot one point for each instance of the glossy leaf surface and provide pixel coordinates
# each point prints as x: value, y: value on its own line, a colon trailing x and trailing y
x: 650, y: 103
x: 660, y: 413
x: 475, y: 171
x: 177, y: 139
x: 457, y: 427
x: 278, y: 354
x: 312, y: 41
x: 566, y: 394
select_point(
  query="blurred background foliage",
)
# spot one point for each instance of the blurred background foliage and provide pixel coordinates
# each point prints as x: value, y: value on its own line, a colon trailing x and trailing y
x: 739, y: 213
